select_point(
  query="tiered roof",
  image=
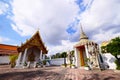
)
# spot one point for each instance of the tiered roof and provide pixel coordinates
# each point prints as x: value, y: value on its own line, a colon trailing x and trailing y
x: 8, y: 49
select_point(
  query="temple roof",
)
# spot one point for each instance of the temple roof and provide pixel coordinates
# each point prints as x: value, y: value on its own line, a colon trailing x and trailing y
x: 35, y: 40
x: 8, y: 49
x: 83, y: 39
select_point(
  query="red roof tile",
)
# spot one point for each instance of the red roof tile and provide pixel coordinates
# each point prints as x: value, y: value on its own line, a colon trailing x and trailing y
x: 8, y: 49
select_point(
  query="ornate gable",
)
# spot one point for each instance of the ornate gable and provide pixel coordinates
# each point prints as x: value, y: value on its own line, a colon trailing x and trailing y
x: 36, y: 41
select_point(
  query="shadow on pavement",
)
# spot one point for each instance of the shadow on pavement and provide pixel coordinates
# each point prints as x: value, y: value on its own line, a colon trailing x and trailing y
x: 98, y: 77
x: 29, y: 75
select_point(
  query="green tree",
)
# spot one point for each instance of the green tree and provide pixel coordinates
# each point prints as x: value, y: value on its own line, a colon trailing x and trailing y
x: 53, y: 56
x: 72, y: 53
x: 103, y: 49
x: 64, y: 55
x: 58, y: 55
x: 114, y: 48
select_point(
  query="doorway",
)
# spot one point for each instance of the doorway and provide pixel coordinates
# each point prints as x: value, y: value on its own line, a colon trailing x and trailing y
x: 31, y: 57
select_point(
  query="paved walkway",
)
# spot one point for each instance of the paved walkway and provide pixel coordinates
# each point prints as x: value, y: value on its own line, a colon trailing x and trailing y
x: 56, y: 73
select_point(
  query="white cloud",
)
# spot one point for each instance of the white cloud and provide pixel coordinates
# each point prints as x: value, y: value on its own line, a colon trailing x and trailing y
x: 3, y: 7
x: 105, y: 36
x: 102, y: 14
x: 86, y: 2
x: 66, y: 46
x: 52, y: 18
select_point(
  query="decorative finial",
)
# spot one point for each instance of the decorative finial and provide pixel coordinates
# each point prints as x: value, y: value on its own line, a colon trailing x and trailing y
x: 81, y: 28
x: 38, y: 29
x: 83, y: 35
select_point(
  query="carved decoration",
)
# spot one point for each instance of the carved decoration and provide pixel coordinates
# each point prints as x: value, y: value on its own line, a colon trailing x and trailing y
x: 35, y: 40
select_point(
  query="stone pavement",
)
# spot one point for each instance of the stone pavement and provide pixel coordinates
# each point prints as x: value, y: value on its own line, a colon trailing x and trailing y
x: 56, y: 73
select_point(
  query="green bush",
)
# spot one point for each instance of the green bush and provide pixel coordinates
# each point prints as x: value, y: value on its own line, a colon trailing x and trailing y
x: 44, y: 62
x: 13, y: 59
x: 118, y: 65
x: 65, y: 65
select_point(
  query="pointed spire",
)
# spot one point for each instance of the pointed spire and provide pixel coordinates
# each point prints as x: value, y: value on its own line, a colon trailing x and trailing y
x: 38, y: 28
x: 82, y: 35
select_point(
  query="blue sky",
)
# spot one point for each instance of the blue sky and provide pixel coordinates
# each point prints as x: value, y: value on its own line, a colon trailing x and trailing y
x: 58, y: 21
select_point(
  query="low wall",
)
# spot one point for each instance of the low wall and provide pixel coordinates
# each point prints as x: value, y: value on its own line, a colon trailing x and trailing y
x: 109, y: 59
x: 58, y: 61
x: 4, y: 60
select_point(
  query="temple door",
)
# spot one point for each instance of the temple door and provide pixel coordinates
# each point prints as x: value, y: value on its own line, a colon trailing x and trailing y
x: 82, y: 62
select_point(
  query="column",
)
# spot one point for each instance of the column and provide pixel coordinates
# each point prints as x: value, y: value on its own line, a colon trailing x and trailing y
x: 18, y: 60
x: 24, y: 56
x: 68, y: 57
x: 76, y: 58
x: 99, y: 48
x: 86, y: 50
x: 99, y: 61
x: 41, y: 55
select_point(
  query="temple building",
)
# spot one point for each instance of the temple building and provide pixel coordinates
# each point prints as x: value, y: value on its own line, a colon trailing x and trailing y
x: 31, y: 51
x: 86, y: 52
x: 6, y: 51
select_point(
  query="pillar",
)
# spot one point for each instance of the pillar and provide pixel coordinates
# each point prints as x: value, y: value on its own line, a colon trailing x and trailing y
x: 86, y: 50
x: 18, y: 60
x: 97, y: 55
x: 41, y: 55
x: 76, y: 57
x: 99, y: 48
x: 24, y: 56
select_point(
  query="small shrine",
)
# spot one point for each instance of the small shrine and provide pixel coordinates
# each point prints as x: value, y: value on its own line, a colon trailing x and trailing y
x: 86, y: 52
x: 31, y: 51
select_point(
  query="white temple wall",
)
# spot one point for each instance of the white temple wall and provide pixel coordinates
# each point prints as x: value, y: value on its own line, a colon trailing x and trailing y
x: 109, y: 59
x: 4, y: 60
x: 57, y: 61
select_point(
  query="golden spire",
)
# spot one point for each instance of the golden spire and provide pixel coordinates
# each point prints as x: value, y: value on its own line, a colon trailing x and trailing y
x: 82, y: 35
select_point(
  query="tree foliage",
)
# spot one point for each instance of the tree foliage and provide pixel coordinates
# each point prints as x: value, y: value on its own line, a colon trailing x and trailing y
x: 114, y: 48
x: 103, y: 49
x: 62, y: 55
x: 59, y: 55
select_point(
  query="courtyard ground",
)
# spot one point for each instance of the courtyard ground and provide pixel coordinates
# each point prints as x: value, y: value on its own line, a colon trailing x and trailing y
x: 56, y: 73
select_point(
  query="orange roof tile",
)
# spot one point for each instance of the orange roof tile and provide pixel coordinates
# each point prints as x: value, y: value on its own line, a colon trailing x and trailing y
x: 8, y: 49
